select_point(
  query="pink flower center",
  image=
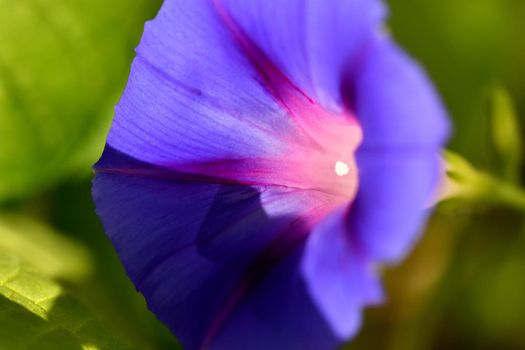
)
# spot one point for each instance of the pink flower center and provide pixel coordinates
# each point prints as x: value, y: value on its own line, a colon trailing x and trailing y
x: 319, y: 152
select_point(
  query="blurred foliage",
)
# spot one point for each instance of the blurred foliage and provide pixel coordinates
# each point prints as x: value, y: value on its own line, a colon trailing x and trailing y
x: 63, y: 65
x: 36, y: 310
x: 467, y: 47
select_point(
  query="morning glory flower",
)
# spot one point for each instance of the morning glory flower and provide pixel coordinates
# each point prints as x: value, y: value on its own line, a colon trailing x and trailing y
x: 265, y: 158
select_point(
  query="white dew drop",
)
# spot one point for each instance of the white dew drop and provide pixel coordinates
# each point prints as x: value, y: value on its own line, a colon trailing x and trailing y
x: 341, y: 168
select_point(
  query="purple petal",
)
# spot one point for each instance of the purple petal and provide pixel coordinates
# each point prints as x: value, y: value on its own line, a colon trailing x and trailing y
x: 404, y: 126
x: 396, y: 104
x: 339, y: 276
x: 193, y: 96
x: 312, y: 42
x: 279, y: 314
x: 395, y: 192
x: 200, y: 100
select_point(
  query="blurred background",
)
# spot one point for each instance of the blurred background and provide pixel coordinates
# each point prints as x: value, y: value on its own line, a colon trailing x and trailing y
x: 63, y: 66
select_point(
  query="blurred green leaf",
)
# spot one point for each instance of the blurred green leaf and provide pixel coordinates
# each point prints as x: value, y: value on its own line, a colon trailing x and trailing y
x: 37, y: 310
x: 62, y: 66
x: 506, y: 136
x: 43, y: 249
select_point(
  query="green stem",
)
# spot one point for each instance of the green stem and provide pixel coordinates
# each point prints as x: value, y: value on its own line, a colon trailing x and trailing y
x: 511, y: 195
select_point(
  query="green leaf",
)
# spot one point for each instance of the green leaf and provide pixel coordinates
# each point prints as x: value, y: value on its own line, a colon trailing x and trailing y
x: 506, y: 136
x: 38, y: 309
x: 63, y: 65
